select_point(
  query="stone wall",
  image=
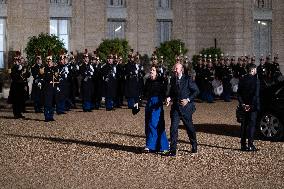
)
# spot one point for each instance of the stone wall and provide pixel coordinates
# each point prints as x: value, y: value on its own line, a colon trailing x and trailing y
x: 196, y: 22
x: 25, y: 19
x: 228, y: 21
x: 278, y: 31
x: 141, y: 25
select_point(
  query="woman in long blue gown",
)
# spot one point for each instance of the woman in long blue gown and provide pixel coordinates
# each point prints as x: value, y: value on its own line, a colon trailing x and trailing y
x: 154, y: 91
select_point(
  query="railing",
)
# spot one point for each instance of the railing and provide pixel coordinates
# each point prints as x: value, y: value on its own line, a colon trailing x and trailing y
x: 263, y: 4
x: 3, y: 1
x: 61, y: 2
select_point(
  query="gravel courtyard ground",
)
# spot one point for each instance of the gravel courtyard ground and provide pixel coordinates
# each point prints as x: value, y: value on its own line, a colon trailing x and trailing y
x: 103, y: 150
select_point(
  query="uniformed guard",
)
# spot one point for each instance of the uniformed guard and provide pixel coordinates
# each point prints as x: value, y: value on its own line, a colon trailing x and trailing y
x: 63, y: 87
x: 26, y: 75
x: 227, y: 75
x: 87, y: 85
x: 109, y: 74
x: 50, y: 88
x: 208, y: 77
x: 73, y: 68
x: 120, y: 81
x: 275, y: 70
x: 132, y: 84
x: 97, y: 81
x: 38, y: 74
x: 262, y: 73
x: 17, y: 88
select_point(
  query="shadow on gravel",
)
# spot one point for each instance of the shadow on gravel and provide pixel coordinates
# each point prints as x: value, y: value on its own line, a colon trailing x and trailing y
x: 119, y: 147
x: 12, y: 117
x: 7, y: 117
x: 181, y: 141
x: 217, y: 129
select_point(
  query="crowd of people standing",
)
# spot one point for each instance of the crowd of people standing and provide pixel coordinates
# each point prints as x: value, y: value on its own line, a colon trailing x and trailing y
x: 56, y: 87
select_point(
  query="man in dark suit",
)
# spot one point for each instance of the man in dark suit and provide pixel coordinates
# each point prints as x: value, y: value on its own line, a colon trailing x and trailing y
x: 248, y: 97
x: 182, y: 93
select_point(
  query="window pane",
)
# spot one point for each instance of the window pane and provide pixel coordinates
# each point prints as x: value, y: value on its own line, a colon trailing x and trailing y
x: 1, y: 42
x: 65, y: 40
x: 53, y: 27
x: 116, y: 3
x: 1, y: 26
x: 63, y: 27
x: 164, y: 29
x: 116, y: 29
x: 1, y: 59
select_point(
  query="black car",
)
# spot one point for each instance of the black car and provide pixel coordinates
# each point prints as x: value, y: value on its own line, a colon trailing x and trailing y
x: 271, y: 117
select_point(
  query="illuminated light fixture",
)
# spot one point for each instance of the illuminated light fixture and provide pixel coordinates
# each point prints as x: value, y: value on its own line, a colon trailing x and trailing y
x: 117, y: 29
x: 263, y: 23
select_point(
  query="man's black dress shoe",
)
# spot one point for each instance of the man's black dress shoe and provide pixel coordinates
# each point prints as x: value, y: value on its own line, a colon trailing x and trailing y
x: 194, y: 149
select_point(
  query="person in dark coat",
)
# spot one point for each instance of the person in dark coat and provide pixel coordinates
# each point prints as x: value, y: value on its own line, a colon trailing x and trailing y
x: 18, y: 88
x: 248, y: 97
x: 227, y: 75
x: 275, y: 70
x: 182, y: 93
x: 262, y: 73
x: 50, y: 88
x: 154, y: 92
x: 26, y: 75
x: 109, y: 74
x: 74, y: 72
x: 97, y: 81
x: 208, y: 77
x: 37, y: 73
x: 120, y: 81
x: 63, y: 87
x: 133, y: 82
x: 87, y: 85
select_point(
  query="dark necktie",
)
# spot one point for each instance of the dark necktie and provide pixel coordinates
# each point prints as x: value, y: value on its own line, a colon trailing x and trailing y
x: 178, y: 83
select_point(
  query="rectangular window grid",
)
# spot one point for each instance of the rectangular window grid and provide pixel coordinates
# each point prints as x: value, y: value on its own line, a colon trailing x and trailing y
x: 60, y: 28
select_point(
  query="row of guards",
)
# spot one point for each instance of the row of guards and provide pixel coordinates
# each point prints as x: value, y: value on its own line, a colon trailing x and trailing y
x: 56, y: 86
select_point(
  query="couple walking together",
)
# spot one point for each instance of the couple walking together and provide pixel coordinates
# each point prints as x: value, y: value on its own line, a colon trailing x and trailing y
x: 181, y: 96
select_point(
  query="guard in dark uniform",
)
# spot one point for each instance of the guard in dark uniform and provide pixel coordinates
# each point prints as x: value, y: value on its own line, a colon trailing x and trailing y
x: 109, y: 74
x: 227, y: 75
x: 26, y: 75
x: 275, y: 70
x: 248, y: 97
x: 38, y: 74
x: 97, y: 81
x: 208, y: 77
x: 120, y: 81
x: 132, y: 84
x: 63, y: 87
x: 73, y: 68
x: 18, y: 88
x: 262, y: 74
x: 87, y: 85
x: 50, y: 88
x: 199, y: 69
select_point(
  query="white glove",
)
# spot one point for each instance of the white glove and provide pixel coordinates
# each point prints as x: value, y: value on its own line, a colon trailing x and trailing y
x: 136, y: 105
x: 20, y: 67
